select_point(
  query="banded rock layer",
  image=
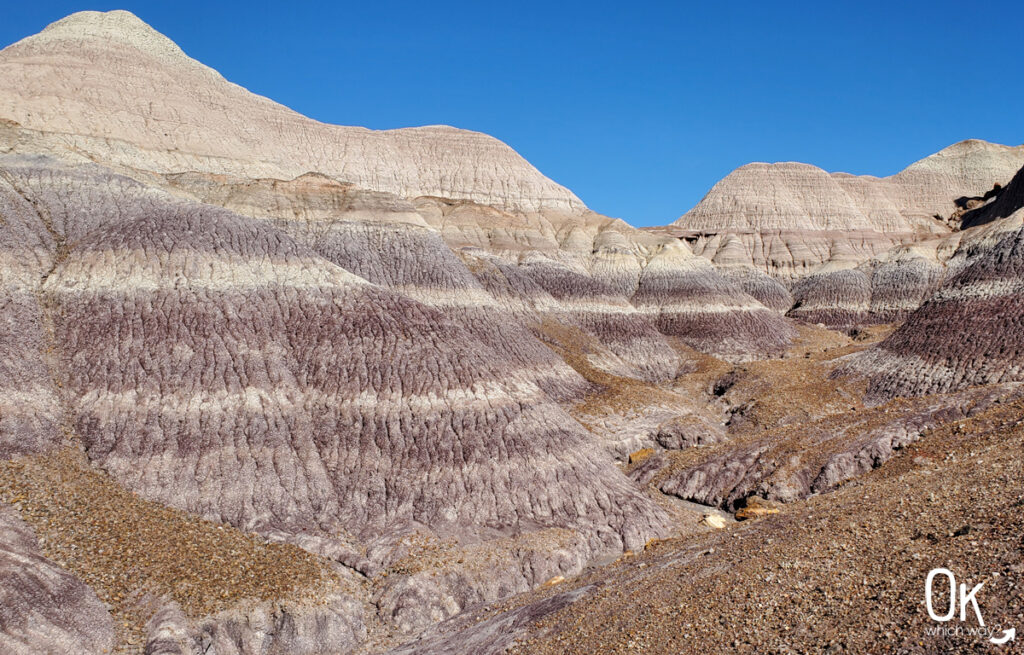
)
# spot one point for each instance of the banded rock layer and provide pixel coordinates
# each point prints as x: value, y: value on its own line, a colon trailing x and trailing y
x: 383, y: 239
x: 106, y: 87
x: 619, y: 282
x: 112, y: 87
x: 213, y: 362
x: 885, y: 289
x: 788, y: 218
x: 969, y: 332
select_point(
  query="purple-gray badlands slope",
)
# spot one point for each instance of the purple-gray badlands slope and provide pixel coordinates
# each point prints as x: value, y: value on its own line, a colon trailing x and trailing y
x: 274, y: 386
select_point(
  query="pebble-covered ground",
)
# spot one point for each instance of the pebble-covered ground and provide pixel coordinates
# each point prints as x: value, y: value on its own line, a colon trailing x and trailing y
x: 123, y: 546
x: 842, y: 572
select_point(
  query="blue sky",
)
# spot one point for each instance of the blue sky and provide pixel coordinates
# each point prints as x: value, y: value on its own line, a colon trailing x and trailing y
x: 638, y: 107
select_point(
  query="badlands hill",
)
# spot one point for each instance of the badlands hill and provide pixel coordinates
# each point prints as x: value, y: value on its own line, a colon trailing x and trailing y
x: 271, y: 385
x: 130, y: 96
x: 787, y: 219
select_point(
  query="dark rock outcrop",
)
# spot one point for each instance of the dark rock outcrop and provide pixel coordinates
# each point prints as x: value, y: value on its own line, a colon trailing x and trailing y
x: 491, y: 636
x: 1002, y: 203
x: 688, y: 430
x: 817, y: 457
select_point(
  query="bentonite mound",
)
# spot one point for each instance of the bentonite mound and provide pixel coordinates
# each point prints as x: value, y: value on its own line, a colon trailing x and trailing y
x: 789, y: 218
x: 212, y: 362
x: 598, y: 309
x: 763, y: 288
x: 43, y: 209
x: 687, y: 298
x: 131, y: 97
x: 926, y: 188
x: 969, y: 332
x: 885, y: 289
x: 900, y: 283
x: 318, y: 386
x: 837, y: 298
x: 382, y: 239
x: 802, y: 197
x: 176, y: 117
x: 43, y: 608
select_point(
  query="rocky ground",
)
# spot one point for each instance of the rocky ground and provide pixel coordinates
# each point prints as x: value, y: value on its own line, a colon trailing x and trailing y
x: 842, y: 572
x: 126, y: 548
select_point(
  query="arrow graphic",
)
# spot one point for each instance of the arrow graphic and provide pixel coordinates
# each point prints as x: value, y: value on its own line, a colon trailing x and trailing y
x: 1008, y: 635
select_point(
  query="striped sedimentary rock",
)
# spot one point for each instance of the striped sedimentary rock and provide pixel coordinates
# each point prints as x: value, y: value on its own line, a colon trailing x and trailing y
x: 763, y: 288
x: 901, y: 282
x: 789, y: 218
x: 597, y: 308
x: 565, y: 325
x: 687, y: 298
x: 43, y: 207
x: 224, y: 368
x: 29, y: 406
x: 213, y: 363
x: 114, y: 88
x: 837, y: 298
x: 678, y: 293
x: 885, y: 289
x: 969, y: 332
x: 592, y: 332
x: 383, y: 239
x: 415, y: 262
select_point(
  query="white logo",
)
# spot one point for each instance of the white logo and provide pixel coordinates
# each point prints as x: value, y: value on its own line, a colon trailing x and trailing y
x: 966, y: 599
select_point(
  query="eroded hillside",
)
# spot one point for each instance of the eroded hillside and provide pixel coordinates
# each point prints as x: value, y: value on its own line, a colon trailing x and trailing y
x: 269, y: 385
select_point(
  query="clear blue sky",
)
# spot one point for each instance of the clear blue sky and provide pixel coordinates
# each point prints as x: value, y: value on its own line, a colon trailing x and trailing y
x: 638, y: 107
